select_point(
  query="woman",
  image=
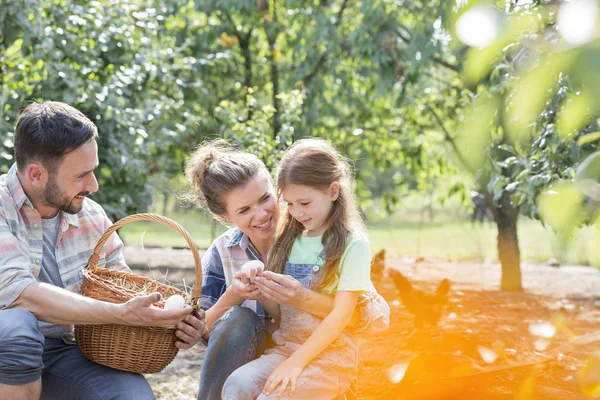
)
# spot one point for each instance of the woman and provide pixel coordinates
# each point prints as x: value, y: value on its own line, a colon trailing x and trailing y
x: 236, y: 188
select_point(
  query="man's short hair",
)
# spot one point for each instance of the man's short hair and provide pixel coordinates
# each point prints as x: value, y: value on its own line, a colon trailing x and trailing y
x: 47, y: 131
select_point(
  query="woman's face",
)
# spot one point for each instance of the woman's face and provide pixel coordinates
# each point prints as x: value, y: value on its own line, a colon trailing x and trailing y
x: 254, y: 208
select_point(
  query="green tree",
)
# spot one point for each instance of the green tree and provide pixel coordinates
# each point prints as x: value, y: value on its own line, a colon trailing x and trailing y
x: 337, y: 69
x: 531, y: 115
x: 158, y: 77
x: 122, y: 67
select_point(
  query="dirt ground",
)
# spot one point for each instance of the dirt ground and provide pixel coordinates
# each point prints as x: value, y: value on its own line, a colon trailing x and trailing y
x: 447, y: 362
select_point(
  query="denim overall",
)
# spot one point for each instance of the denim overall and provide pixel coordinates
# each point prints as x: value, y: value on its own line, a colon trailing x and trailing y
x: 335, y: 368
x: 327, y: 376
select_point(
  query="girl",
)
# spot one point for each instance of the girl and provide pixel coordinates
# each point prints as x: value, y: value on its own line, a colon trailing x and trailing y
x: 321, y: 242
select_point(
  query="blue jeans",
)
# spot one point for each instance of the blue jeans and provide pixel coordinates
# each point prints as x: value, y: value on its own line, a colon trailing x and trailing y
x: 247, y: 382
x: 25, y: 356
x: 237, y: 338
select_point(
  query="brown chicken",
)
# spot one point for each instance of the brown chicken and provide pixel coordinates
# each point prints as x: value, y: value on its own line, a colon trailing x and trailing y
x: 378, y: 266
x: 427, y: 308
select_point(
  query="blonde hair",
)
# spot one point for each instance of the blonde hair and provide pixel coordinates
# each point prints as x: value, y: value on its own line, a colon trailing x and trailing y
x: 315, y: 163
x: 214, y: 169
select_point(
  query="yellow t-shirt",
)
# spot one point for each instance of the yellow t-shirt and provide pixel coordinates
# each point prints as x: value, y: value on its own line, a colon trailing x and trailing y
x: 354, y: 273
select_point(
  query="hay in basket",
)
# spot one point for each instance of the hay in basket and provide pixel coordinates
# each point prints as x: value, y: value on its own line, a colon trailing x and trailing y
x: 140, y: 349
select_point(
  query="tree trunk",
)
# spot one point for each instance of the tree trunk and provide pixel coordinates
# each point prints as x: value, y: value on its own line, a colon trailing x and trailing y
x: 165, y: 202
x: 247, y: 56
x: 508, y: 246
x: 275, y: 82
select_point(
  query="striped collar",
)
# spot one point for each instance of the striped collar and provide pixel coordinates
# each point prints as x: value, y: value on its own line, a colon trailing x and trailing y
x: 16, y: 191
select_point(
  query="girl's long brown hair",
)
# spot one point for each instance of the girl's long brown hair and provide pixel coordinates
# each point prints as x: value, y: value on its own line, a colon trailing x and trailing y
x: 315, y: 163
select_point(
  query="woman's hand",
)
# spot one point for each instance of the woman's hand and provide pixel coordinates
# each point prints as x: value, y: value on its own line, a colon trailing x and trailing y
x: 282, y: 289
x: 242, y: 288
x: 287, y: 373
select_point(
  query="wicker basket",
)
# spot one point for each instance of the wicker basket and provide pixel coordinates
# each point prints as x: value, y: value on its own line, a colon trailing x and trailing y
x: 137, y: 349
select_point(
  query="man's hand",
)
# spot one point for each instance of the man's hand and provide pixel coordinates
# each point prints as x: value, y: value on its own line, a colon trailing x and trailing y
x: 139, y: 311
x: 243, y: 288
x: 282, y: 289
x: 190, y: 330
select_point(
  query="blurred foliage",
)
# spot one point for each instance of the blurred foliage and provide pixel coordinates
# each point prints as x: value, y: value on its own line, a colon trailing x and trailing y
x: 544, y: 116
x: 386, y: 81
x: 532, y: 118
x: 117, y: 62
x: 159, y: 77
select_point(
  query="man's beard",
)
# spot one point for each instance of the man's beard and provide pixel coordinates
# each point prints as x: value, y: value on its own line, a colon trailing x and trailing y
x: 55, y: 197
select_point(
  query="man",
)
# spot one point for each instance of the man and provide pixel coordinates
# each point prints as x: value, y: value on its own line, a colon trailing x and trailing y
x: 48, y: 228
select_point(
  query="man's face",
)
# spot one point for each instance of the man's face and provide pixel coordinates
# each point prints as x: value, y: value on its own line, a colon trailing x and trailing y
x: 73, y: 180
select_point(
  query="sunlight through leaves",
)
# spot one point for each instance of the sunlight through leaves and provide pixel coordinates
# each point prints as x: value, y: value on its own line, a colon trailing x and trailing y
x: 396, y: 372
x: 478, y: 27
x: 577, y: 21
x: 544, y: 330
x: 487, y: 355
x: 559, y: 320
x: 589, y: 376
x: 541, y: 344
x: 526, y: 390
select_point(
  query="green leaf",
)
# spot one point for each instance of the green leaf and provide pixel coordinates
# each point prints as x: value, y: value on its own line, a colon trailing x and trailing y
x: 560, y: 206
x: 589, y: 138
x: 479, y: 62
x: 528, y: 99
x: 473, y: 134
x: 574, y: 115
x: 584, y: 73
x: 589, y: 168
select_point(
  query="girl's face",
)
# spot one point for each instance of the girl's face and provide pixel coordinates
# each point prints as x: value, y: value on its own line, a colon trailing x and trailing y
x: 253, y: 208
x: 310, y: 206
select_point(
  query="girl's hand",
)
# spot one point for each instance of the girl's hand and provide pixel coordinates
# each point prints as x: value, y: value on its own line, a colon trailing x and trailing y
x: 282, y: 289
x: 287, y: 373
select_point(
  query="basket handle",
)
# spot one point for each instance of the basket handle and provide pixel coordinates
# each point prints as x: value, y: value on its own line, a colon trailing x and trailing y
x: 93, y: 262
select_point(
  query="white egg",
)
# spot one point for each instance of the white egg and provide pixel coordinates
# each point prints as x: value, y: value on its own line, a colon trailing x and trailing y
x: 175, y: 302
x: 256, y: 265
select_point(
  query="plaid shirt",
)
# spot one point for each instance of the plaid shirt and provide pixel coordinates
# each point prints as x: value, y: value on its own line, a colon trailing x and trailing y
x: 21, y: 242
x: 233, y: 249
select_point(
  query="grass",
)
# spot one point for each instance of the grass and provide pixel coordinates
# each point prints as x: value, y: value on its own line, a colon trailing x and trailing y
x: 153, y: 234
x: 461, y: 240
x: 447, y: 238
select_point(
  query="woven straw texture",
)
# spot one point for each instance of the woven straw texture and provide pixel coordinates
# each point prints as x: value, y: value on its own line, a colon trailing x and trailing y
x: 139, y: 349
